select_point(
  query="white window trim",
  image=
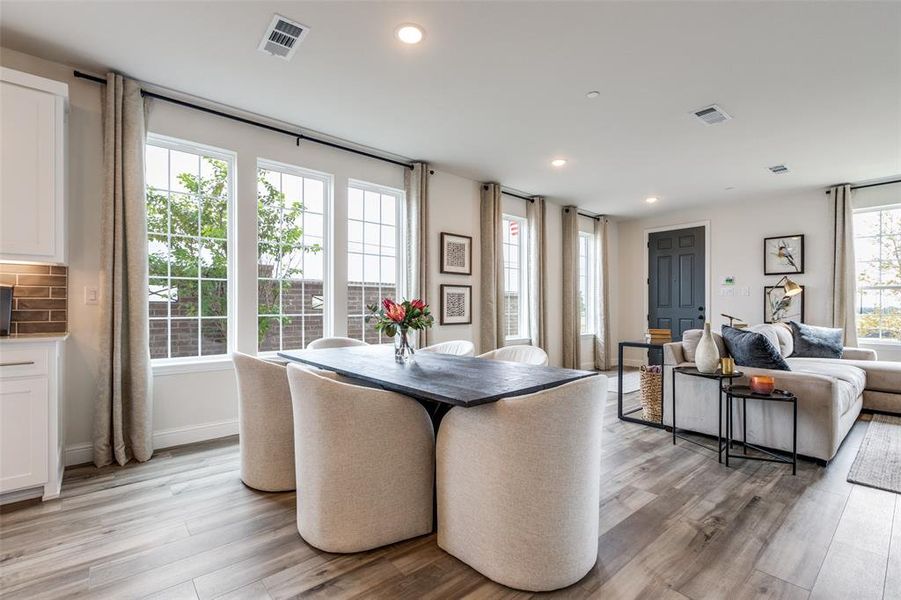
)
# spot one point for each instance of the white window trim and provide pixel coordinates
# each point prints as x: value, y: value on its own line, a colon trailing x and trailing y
x: 524, y: 336
x: 327, y: 257
x: 185, y: 364
x: 591, y: 294
x: 865, y: 341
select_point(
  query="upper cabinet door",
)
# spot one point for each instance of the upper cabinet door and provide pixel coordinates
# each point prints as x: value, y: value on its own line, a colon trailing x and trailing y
x: 32, y: 169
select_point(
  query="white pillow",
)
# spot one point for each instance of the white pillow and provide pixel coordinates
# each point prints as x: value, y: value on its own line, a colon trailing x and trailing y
x: 778, y: 334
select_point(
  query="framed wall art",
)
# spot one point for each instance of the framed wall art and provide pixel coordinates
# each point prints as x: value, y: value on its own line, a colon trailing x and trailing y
x: 783, y: 255
x: 779, y: 308
x: 456, y: 254
x: 456, y: 305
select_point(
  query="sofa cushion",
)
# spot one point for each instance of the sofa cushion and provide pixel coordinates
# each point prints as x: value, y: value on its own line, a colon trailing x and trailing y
x: 816, y: 342
x: 881, y: 375
x: 751, y: 349
x: 778, y: 334
x: 851, y: 380
x: 692, y: 337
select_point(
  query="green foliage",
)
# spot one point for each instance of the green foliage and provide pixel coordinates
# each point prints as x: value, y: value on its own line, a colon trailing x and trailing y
x: 882, y: 318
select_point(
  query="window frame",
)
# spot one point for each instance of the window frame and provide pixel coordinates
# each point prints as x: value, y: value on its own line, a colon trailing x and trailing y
x: 858, y: 289
x: 587, y: 328
x: 182, y: 364
x: 523, y: 336
x: 328, y: 181
x: 400, y: 255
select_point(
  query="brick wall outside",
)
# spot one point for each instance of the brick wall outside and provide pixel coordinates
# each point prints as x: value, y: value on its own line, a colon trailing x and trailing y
x: 40, y: 294
x: 511, y: 312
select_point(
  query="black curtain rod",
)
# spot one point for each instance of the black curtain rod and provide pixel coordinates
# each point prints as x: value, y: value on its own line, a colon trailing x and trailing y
x: 581, y: 214
x: 869, y: 185
x: 521, y: 197
x: 296, y: 135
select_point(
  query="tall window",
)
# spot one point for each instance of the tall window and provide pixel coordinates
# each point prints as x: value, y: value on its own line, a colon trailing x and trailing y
x: 373, y: 264
x: 291, y: 213
x: 586, y: 282
x: 189, y: 190
x: 516, y: 278
x: 877, y: 250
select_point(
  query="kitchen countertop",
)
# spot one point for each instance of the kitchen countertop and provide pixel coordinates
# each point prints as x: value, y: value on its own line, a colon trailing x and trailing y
x: 33, y: 337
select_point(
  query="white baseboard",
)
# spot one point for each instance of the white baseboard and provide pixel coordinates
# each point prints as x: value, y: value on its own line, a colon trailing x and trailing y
x: 78, y: 454
x: 19, y: 495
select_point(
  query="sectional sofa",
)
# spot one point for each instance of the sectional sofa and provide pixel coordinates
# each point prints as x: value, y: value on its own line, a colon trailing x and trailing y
x: 831, y: 394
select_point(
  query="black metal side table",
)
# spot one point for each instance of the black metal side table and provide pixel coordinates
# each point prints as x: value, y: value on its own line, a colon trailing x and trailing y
x: 719, y: 377
x: 624, y: 414
x: 745, y: 393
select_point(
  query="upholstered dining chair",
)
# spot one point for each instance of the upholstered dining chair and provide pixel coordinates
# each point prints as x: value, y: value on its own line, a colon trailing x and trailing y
x: 531, y: 355
x: 334, y: 342
x: 455, y: 347
x: 366, y: 458
x: 266, y: 431
x: 518, y: 485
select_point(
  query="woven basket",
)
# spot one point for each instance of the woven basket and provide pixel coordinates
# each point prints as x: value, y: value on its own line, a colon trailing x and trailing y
x: 651, y: 405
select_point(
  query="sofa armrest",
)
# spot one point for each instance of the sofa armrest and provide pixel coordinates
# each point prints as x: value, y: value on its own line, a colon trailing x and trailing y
x: 672, y: 354
x: 859, y: 354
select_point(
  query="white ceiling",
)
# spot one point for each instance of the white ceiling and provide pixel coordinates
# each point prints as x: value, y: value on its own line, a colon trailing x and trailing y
x: 497, y: 90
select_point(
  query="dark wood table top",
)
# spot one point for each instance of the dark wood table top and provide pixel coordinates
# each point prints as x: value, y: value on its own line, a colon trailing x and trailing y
x: 455, y: 380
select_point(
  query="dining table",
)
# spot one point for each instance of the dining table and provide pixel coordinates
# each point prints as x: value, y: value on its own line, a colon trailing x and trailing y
x: 438, y: 381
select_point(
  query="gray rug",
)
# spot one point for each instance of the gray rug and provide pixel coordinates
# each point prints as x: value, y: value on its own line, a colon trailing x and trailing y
x: 878, y: 462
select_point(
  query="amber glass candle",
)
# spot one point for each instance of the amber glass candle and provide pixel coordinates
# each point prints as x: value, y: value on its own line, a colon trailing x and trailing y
x: 763, y: 384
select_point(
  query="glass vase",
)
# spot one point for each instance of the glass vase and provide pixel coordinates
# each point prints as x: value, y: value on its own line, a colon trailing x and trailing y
x: 403, y: 346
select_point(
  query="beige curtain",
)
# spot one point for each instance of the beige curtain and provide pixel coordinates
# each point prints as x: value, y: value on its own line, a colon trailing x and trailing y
x: 536, y: 217
x: 572, y: 329
x: 123, y: 410
x: 602, y: 285
x: 416, y: 183
x: 844, y: 280
x: 491, y: 329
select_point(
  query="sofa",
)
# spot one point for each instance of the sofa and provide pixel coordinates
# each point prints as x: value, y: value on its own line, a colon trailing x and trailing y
x: 831, y: 394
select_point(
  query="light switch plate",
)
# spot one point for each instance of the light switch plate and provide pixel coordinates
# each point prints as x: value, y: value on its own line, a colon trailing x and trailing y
x: 91, y: 295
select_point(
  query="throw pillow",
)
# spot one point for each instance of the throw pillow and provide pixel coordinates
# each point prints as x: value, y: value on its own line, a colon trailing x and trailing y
x: 751, y: 349
x: 816, y: 342
x: 779, y: 334
x: 692, y: 337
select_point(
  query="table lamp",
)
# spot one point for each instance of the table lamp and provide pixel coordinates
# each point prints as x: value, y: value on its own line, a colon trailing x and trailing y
x: 789, y: 287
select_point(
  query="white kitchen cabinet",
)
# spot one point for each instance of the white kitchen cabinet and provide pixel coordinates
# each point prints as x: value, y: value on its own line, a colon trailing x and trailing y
x: 31, y: 417
x: 32, y: 168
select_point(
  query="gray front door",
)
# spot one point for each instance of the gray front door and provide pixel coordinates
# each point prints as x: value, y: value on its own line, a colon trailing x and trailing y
x: 676, y: 280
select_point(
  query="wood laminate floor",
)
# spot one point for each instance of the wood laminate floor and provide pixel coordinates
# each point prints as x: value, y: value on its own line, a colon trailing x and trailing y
x: 675, y: 524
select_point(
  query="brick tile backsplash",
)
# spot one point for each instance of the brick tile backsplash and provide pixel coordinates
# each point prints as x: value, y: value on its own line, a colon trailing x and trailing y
x: 39, y: 297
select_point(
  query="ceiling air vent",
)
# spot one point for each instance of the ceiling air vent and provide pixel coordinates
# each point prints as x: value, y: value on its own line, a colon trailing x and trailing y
x: 712, y: 115
x: 777, y: 169
x: 282, y: 37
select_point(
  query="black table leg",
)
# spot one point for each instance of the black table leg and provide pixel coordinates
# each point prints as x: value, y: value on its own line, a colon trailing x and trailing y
x: 744, y: 425
x: 719, y: 425
x: 674, y: 407
x: 728, y: 425
x: 619, y: 392
x: 795, y: 436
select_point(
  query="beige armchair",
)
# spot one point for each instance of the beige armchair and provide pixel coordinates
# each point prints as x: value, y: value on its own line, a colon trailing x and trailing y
x: 518, y: 484
x: 334, y: 342
x: 366, y: 459
x: 456, y: 347
x: 265, y: 424
x: 530, y: 355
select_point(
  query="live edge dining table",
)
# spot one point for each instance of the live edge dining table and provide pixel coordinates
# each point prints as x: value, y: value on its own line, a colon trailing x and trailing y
x: 438, y: 381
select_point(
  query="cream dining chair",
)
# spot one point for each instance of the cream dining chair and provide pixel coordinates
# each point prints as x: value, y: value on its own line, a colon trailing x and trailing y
x: 266, y: 431
x: 456, y: 347
x: 334, y: 342
x: 530, y: 355
x: 366, y: 458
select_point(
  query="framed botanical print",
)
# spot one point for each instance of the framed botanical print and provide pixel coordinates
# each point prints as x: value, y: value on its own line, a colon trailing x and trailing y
x: 779, y: 308
x: 456, y: 305
x: 456, y: 254
x: 783, y: 255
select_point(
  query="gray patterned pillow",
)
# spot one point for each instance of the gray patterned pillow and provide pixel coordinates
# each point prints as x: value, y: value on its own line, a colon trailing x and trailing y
x: 750, y: 349
x: 816, y: 342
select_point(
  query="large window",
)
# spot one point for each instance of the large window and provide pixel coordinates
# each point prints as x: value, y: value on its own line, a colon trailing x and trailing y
x: 516, y: 278
x: 586, y: 282
x: 877, y: 251
x: 189, y: 190
x: 292, y: 205
x: 373, y: 264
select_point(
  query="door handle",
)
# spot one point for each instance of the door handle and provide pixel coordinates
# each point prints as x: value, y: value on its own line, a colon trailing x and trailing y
x: 700, y: 308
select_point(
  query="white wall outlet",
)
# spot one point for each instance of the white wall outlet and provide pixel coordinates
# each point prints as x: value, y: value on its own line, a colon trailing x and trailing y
x: 727, y: 291
x: 745, y: 291
x: 91, y: 295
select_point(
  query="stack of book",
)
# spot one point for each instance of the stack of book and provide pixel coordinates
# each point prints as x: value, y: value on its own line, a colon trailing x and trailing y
x: 658, y: 336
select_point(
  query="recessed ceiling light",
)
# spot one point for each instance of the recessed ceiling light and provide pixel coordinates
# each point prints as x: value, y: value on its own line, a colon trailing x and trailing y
x: 651, y: 199
x: 409, y: 33
x: 593, y: 94
x: 558, y: 162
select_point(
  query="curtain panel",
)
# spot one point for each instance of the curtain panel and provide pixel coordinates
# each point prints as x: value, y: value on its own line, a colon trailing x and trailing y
x: 123, y: 410
x: 572, y: 329
x: 844, y: 278
x: 416, y: 184
x: 491, y: 322
x: 536, y: 212
x: 602, y: 287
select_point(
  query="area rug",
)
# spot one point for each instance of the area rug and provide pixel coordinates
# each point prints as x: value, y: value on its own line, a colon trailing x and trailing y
x: 631, y: 382
x: 878, y: 462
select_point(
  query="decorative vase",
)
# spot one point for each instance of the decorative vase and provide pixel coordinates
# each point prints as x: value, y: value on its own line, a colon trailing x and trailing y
x: 403, y: 348
x: 707, y: 356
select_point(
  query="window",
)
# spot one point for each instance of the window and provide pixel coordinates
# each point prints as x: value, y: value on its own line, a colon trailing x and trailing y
x: 189, y: 190
x: 877, y: 250
x: 373, y: 264
x: 292, y: 206
x: 586, y: 282
x: 516, y: 278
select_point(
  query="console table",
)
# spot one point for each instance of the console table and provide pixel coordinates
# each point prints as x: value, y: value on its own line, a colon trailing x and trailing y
x: 624, y: 414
